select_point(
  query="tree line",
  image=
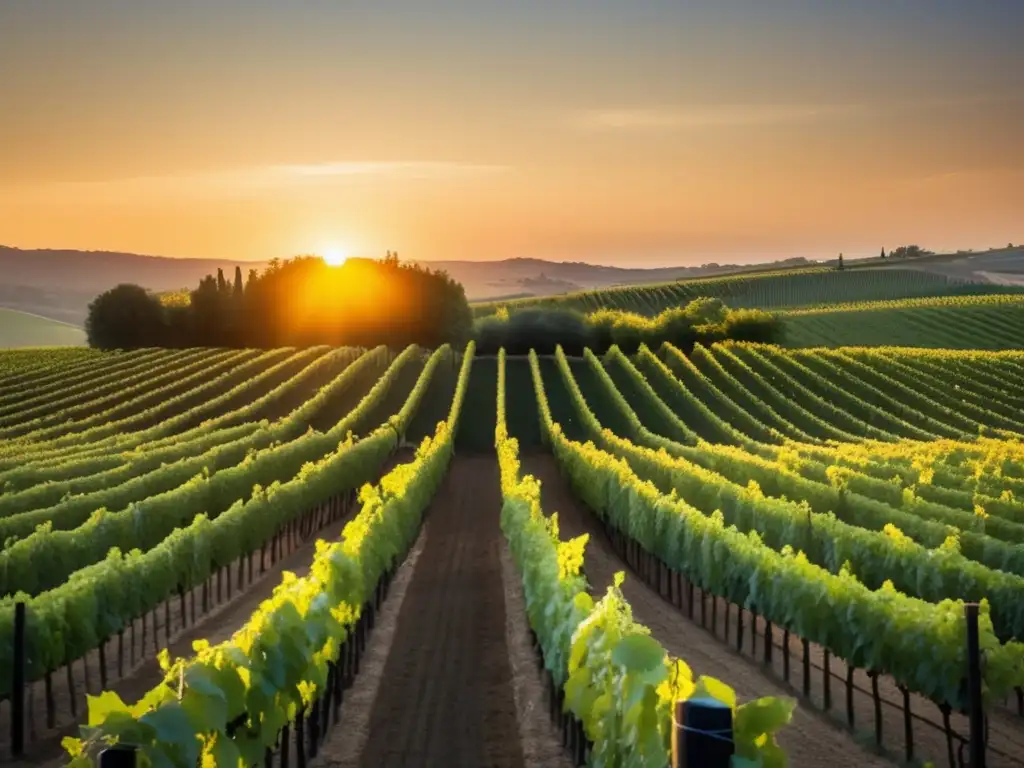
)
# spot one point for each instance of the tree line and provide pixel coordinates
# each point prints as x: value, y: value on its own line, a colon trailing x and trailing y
x: 294, y: 302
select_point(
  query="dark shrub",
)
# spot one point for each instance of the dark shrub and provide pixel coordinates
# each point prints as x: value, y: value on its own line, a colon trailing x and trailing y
x: 125, y: 317
x: 538, y: 329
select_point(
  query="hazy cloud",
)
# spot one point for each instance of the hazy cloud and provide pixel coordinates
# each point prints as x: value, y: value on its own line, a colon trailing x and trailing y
x: 245, y: 181
x: 402, y: 169
x: 691, y: 116
x: 672, y: 118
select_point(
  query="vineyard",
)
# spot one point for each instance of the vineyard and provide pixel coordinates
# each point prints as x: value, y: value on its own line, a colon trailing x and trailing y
x: 340, y: 556
x: 782, y: 289
x: 942, y: 322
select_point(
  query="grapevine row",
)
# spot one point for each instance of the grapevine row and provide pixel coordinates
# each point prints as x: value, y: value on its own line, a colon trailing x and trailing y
x: 234, y: 698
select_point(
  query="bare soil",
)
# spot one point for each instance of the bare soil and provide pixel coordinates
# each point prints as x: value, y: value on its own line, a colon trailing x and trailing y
x: 345, y: 743
x: 421, y: 629
x: 446, y: 692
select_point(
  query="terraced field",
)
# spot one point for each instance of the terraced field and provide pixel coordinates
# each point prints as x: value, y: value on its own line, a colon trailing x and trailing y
x: 361, y: 547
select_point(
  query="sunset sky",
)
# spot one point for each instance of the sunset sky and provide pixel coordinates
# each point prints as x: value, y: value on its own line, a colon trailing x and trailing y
x: 649, y: 132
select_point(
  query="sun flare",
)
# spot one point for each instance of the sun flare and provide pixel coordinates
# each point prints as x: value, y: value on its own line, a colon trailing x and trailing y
x: 335, y: 256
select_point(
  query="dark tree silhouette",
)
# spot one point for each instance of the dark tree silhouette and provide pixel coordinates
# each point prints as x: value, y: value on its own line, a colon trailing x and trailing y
x: 883, y: 253
x: 209, y: 313
x: 840, y: 262
x: 125, y: 317
x: 907, y: 251
x: 304, y: 302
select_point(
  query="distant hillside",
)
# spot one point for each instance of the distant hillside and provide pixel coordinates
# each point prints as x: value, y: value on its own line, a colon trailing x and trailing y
x: 775, y: 289
x: 96, y: 271
x: 21, y: 329
x: 61, y: 283
x: 1004, y: 266
x: 489, y: 280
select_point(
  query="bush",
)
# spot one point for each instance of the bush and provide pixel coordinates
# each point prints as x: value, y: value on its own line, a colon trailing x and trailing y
x: 538, y: 329
x: 753, y: 325
x: 125, y: 317
x: 703, y: 320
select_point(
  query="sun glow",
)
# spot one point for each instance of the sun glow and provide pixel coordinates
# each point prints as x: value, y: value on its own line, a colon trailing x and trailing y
x: 335, y: 257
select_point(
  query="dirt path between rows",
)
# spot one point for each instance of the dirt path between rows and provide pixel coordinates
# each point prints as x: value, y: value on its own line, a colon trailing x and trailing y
x: 346, y: 741
x: 449, y: 676
x: 446, y: 692
x: 809, y: 740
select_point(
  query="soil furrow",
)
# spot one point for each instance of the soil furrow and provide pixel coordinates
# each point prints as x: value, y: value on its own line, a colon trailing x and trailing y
x: 446, y: 694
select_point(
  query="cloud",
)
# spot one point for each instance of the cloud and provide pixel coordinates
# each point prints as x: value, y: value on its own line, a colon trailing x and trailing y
x: 1010, y: 171
x: 706, y: 116
x: 418, y: 169
x: 242, y: 182
x: 669, y: 117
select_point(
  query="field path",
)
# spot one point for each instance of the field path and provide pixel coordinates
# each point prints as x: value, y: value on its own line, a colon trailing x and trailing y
x: 445, y: 692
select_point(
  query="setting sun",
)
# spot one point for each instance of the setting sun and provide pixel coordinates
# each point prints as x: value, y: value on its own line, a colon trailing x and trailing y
x: 335, y: 256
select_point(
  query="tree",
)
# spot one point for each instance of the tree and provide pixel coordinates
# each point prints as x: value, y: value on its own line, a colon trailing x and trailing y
x: 907, y: 252
x: 302, y: 302
x: 883, y: 253
x: 840, y: 262
x: 209, y: 311
x: 125, y: 317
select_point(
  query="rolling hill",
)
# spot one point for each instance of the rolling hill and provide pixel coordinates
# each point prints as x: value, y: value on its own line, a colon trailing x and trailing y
x: 60, y: 283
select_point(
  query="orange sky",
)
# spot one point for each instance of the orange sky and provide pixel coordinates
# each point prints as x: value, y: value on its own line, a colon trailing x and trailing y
x: 652, y: 133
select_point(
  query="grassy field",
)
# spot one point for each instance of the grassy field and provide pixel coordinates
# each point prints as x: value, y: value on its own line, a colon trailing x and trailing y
x: 268, y: 501
x: 21, y: 329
